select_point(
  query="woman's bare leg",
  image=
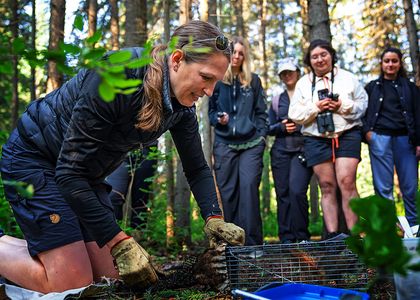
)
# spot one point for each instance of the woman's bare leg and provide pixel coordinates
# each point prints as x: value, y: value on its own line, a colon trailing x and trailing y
x: 102, y: 262
x: 346, y: 168
x: 56, y: 270
x: 327, y: 181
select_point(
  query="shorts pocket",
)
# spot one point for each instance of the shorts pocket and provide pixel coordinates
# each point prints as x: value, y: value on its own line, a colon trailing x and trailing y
x: 16, y: 188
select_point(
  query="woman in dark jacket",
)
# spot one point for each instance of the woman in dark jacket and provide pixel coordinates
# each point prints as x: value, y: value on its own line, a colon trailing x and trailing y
x: 288, y: 165
x: 237, y: 110
x: 392, y: 130
x: 68, y: 142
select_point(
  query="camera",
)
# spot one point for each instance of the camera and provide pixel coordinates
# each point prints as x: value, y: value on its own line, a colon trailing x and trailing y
x: 220, y: 114
x: 324, y: 120
x: 324, y: 93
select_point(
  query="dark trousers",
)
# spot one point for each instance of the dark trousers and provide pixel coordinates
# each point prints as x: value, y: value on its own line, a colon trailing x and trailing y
x: 120, y: 179
x: 238, y: 176
x: 291, y: 180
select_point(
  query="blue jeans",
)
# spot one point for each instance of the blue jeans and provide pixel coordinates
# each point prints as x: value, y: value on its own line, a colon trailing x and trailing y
x: 386, y: 152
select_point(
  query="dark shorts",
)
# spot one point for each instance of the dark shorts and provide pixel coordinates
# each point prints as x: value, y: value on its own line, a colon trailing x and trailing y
x: 46, y: 219
x: 319, y: 150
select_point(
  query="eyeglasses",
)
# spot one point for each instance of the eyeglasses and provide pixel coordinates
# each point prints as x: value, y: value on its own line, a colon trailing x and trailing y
x: 221, y: 42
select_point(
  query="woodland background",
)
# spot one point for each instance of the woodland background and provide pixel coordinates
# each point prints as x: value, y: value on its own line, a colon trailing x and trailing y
x: 43, y: 43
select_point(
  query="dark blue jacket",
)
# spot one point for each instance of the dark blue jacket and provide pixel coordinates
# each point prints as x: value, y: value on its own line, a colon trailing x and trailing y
x: 410, y: 101
x: 246, y: 109
x: 86, y: 138
x: 284, y: 140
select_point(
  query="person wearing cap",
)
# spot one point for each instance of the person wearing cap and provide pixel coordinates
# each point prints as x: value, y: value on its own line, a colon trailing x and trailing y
x: 329, y: 102
x: 288, y: 166
x: 237, y: 110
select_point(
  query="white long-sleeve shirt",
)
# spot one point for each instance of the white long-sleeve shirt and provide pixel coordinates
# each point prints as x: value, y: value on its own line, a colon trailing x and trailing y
x: 353, y: 96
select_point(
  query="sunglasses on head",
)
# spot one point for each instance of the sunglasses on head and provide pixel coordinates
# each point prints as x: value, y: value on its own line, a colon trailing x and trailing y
x: 221, y: 42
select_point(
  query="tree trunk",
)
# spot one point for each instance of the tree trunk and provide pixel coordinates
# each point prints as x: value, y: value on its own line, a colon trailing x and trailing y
x: 319, y: 20
x: 169, y: 162
x: 182, y: 191
x: 33, y: 46
x: 135, y: 23
x: 92, y: 12
x: 58, y: 12
x: 115, y: 29
x: 14, y: 27
x: 184, y: 11
x: 282, y: 28
x: 212, y: 12
x: 410, y: 23
x: 305, y: 24
x: 204, y: 6
x: 240, y: 30
x: 182, y: 208
x: 263, y: 12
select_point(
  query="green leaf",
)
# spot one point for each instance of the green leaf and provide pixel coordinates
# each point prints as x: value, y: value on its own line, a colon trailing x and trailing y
x: 18, y: 45
x: 106, y: 91
x: 78, y: 22
x: 96, y: 36
x: 139, y: 62
x: 125, y: 83
x: 92, y: 54
x: 119, y: 57
x: 70, y: 48
x: 127, y: 91
x: 114, y: 69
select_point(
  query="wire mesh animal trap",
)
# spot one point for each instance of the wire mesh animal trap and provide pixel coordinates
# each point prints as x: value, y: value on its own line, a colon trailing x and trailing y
x: 327, y: 263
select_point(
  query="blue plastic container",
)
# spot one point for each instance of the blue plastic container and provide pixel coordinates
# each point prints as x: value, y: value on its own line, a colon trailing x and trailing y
x: 301, y: 291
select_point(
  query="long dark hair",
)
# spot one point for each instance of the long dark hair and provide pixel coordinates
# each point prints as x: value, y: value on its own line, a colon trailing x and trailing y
x: 202, y: 35
x: 402, y: 72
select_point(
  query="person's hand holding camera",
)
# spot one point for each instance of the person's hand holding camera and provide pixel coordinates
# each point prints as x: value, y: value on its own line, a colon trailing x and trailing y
x: 222, y: 118
x: 133, y: 263
x: 289, y: 125
x: 334, y: 105
x: 217, y: 230
x: 323, y: 104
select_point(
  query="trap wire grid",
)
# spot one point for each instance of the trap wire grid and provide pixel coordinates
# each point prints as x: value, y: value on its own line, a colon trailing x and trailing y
x: 326, y: 263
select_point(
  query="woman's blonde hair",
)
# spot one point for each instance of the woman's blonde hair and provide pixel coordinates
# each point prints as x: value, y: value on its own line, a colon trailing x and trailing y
x: 245, y: 75
x: 196, y: 35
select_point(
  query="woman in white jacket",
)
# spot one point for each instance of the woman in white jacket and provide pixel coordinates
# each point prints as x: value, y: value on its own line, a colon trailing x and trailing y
x: 329, y: 102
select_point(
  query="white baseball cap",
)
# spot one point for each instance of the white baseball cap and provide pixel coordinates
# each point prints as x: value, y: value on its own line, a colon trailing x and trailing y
x: 287, y: 66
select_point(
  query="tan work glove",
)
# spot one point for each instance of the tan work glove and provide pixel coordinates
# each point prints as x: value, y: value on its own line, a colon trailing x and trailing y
x: 217, y: 229
x: 133, y: 263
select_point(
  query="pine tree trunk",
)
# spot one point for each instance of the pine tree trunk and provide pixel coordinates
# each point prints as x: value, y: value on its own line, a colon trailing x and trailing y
x: 319, y: 20
x: 212, y: 12
x: 92, y: 12
x: 115, y: 29
x: 58, y: 12
x: 240, y: 30
x: 135, y: 23
x: 14, y: 26
x: 184, y: 11
x: 410, y: 23
x: 33, y: 46
x: 182, y: 208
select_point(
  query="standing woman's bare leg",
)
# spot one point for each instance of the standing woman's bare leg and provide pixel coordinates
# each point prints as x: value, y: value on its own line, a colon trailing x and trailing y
x: 326, y: 177
x: 55, y: 270
x: 346, y: 169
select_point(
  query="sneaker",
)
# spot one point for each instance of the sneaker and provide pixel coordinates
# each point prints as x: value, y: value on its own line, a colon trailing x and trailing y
x: 336, y: 236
